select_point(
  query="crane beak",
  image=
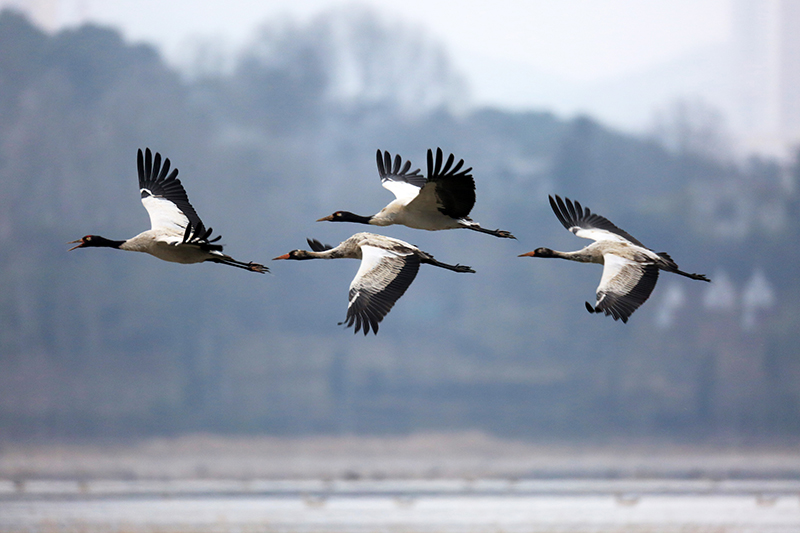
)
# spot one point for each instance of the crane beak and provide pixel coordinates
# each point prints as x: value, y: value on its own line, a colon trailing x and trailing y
x: 326, y: 219
x: 529, y: 254
x: 80, y: 244
x: 284, y: 256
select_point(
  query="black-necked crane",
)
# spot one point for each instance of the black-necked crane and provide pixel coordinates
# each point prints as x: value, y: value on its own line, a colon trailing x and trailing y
x: 176, y: 234
x: 630, y: 270
x: 388, y: 266
x: 442, y: 200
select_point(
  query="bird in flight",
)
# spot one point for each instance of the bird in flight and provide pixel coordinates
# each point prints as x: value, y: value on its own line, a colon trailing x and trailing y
x: 388, y: 266
x: 630, y: 270
x: 442, y: 200
x: 176, y: 234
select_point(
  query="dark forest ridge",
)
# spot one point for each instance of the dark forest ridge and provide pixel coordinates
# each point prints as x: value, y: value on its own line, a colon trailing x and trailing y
x: 506, y: 353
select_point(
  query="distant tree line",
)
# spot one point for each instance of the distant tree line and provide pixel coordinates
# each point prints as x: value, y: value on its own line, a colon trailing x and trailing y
x: 98, y: 343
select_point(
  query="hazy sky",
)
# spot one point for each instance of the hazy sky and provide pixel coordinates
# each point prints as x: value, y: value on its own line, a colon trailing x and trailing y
x: 505, y: 48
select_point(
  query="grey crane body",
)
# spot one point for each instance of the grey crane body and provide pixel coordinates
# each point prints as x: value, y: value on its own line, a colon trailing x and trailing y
x: 388, y: 267
x: 630, y: 270
x: 177, y: 234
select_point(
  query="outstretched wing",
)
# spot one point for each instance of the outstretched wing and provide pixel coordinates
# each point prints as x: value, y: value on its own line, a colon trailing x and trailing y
x: 583, y: 223
x: 163, y: 195
x: 199, y: 236
x: 624, y: 286
x: 397, y: 178
x: 166, y: 202
x: 454, y: 188
x: 318, y: 246
x: 381, y: 280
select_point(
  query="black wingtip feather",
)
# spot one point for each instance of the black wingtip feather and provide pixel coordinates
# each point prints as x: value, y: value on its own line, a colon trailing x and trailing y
x: 157, y: 166
x: 164, y: 169
x: 570, y: 209
x: 572, y: 213
x: 379, y: 161
x: 140, y: 164
x: 430, y: 162
x: 148, y: 162
x: 317, y: 246
x: 448, y: 164
x: 439, y: 157
x: 556, y: 204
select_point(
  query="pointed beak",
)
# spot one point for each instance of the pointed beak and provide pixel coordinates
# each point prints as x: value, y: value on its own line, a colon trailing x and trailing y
x: 529, y: 254
x: 284, y: 256
x: 80, y: 243
x: 326, y: 219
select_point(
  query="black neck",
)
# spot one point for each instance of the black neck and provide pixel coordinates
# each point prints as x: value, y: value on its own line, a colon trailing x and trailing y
x: 102, y: 242
x: 352, y: 217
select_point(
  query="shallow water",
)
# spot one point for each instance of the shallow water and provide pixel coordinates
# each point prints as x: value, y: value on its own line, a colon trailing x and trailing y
x: 406, y: 506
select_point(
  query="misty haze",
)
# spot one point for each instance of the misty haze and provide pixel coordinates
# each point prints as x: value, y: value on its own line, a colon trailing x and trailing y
x: 117, y: 366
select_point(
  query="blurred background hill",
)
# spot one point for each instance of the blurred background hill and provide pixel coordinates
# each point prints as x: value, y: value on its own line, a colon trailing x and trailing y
x: 103, y: 344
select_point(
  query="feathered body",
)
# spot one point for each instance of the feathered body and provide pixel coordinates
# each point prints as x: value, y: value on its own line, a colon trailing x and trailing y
x: 388, y: 266
x: 442, y: 200
x: 630, y: 270
x: 176, y: 232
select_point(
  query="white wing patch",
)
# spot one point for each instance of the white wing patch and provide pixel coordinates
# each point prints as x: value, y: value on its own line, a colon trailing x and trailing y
x: 401, y: 189
x: 613, y: 265
x: 164, y: 215
x: 597, y: 234
x: 426, y: 201
x: 371, y: 259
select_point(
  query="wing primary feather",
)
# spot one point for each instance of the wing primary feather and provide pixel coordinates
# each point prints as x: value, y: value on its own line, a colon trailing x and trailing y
x: 140, y: 166
x: 164, y: 169
x: 387, y: 161
x: 157, y: 166
x: 368, y: 321
x: 581, y: 214
x: 564, y: 211
x: 317, y: 246
x: 448, y: 164
x: 373, y: 321
x: 381, y: 167
x: 571, y: 210
x: 557, y: 210
x: 148, y: 162
x: 439, y: 158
